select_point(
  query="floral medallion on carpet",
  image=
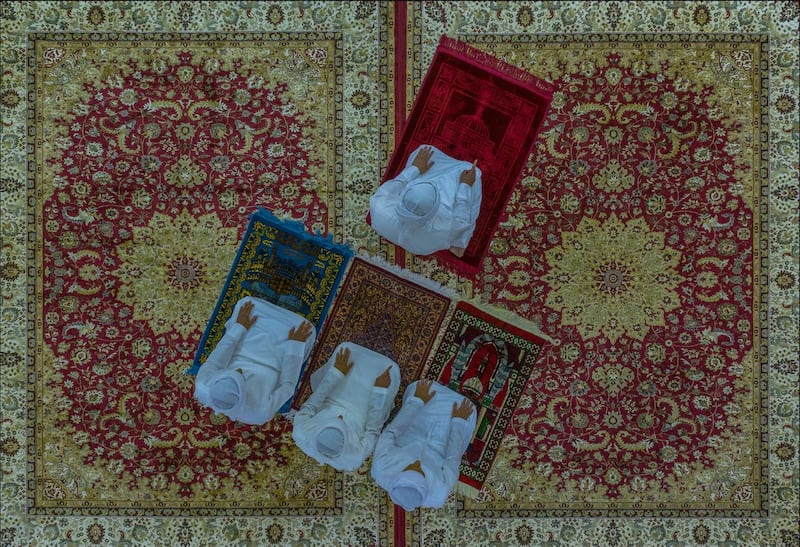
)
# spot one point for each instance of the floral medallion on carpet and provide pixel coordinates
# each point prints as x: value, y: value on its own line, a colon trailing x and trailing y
x: 150, y: 152
x: 702, y: 67
x: 636, y: 239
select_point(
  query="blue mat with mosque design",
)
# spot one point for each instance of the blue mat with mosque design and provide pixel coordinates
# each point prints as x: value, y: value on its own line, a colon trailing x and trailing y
x: 279, y: 261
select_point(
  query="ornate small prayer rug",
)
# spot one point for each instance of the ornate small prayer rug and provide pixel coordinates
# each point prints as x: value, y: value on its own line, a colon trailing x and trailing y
x: 386, y: 313
x: 149, y: 152
x: 489, y: 361
x: 279, y: 261
x: 474, y: 106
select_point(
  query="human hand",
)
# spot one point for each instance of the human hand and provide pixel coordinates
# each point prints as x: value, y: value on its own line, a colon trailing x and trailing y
x: 343, y: 363
x: 468, y: 175
x: 423, y: 390
x: 458, y: 251
x: 243, y: 317
x: 384, y: 379
x: 301, y: 333
x: 422, y: 159
x: 462, y: 410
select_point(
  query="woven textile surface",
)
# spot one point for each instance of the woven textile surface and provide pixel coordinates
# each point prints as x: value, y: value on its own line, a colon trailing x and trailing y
x: 489, y: 361
x: 282, y: 263
x: 473, y: 106
x: 386, y: 313
x: 644, y: 216
x: 153, y: 148
x: 670, y: 149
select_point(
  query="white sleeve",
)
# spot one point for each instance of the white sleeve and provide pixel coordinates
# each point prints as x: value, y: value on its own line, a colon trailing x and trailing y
x: 456, y: 442
x: 219, y: 359
x: 466, y: 209
x: 393, y: 187
x: 383, y: 204
x: 374, y: 423
x: 389, y: 458
x: 261, y: 409
x: 313, y: 404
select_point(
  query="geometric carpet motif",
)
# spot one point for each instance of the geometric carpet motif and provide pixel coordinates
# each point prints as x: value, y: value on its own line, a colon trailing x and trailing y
x: 149, y: 152
x: 645, y: 210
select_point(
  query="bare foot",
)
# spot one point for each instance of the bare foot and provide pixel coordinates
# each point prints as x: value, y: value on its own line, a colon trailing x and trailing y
x: 458, y: 251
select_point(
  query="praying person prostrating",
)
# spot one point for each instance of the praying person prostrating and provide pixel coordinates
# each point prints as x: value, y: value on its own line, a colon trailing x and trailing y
x: 353, y: 394
x: 432, y: 205
x: 254, y: 368
x: 417, y: 456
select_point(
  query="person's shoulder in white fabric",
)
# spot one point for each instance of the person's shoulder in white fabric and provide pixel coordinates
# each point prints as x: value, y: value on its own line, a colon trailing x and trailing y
x: 353, y: 394
x: 255, y: 367
x: 397, y: 465
x: 432, y: 205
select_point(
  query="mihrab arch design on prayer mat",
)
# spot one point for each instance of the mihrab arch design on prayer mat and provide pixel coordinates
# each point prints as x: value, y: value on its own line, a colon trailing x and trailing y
x: 149, y: 153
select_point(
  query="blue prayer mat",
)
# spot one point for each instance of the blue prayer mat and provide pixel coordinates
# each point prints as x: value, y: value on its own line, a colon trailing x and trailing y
x: 279, y: 261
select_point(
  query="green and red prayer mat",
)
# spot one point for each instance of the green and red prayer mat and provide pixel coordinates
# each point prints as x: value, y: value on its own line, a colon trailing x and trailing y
x: 488, y: 360
x: 474, y: 106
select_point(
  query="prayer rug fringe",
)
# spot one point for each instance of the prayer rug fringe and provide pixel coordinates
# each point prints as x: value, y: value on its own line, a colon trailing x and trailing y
x: 414, y: 277
x: 491, y: 62
x: 512, y: 318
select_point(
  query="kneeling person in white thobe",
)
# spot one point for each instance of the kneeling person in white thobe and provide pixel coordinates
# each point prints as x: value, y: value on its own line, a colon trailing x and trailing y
x: 353, y: 394
x: 417, y: 456
x: 255, y: 367
x: 432, y: 205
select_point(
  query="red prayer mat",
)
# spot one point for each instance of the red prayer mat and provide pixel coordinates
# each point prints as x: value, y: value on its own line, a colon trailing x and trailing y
x: 489, y: 361
x: 475, y: 106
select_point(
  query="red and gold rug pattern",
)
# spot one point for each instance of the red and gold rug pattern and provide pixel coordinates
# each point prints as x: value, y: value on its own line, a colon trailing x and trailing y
x: 698, y: 50
x: 641, y: 221
x: 489, y: 361
x: 385, y: 312
x: 160, y: 149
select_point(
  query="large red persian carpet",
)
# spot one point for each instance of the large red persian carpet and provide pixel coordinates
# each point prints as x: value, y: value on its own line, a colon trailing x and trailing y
x: 642, y: 221
x: 159, y: 150
x: 473, y: 106
x: 636, y: 238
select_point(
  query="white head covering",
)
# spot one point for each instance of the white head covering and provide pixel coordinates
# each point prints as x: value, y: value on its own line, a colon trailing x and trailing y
x: 330, y: 440
x: 226, y: 392
x: 409, y: 490
x: 419, y: 201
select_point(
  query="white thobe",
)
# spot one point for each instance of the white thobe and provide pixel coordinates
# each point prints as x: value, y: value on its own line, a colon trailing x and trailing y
x: 427, y: 432
x: 269, y: 362
x: 454, y: 222
x: 363, y: 406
